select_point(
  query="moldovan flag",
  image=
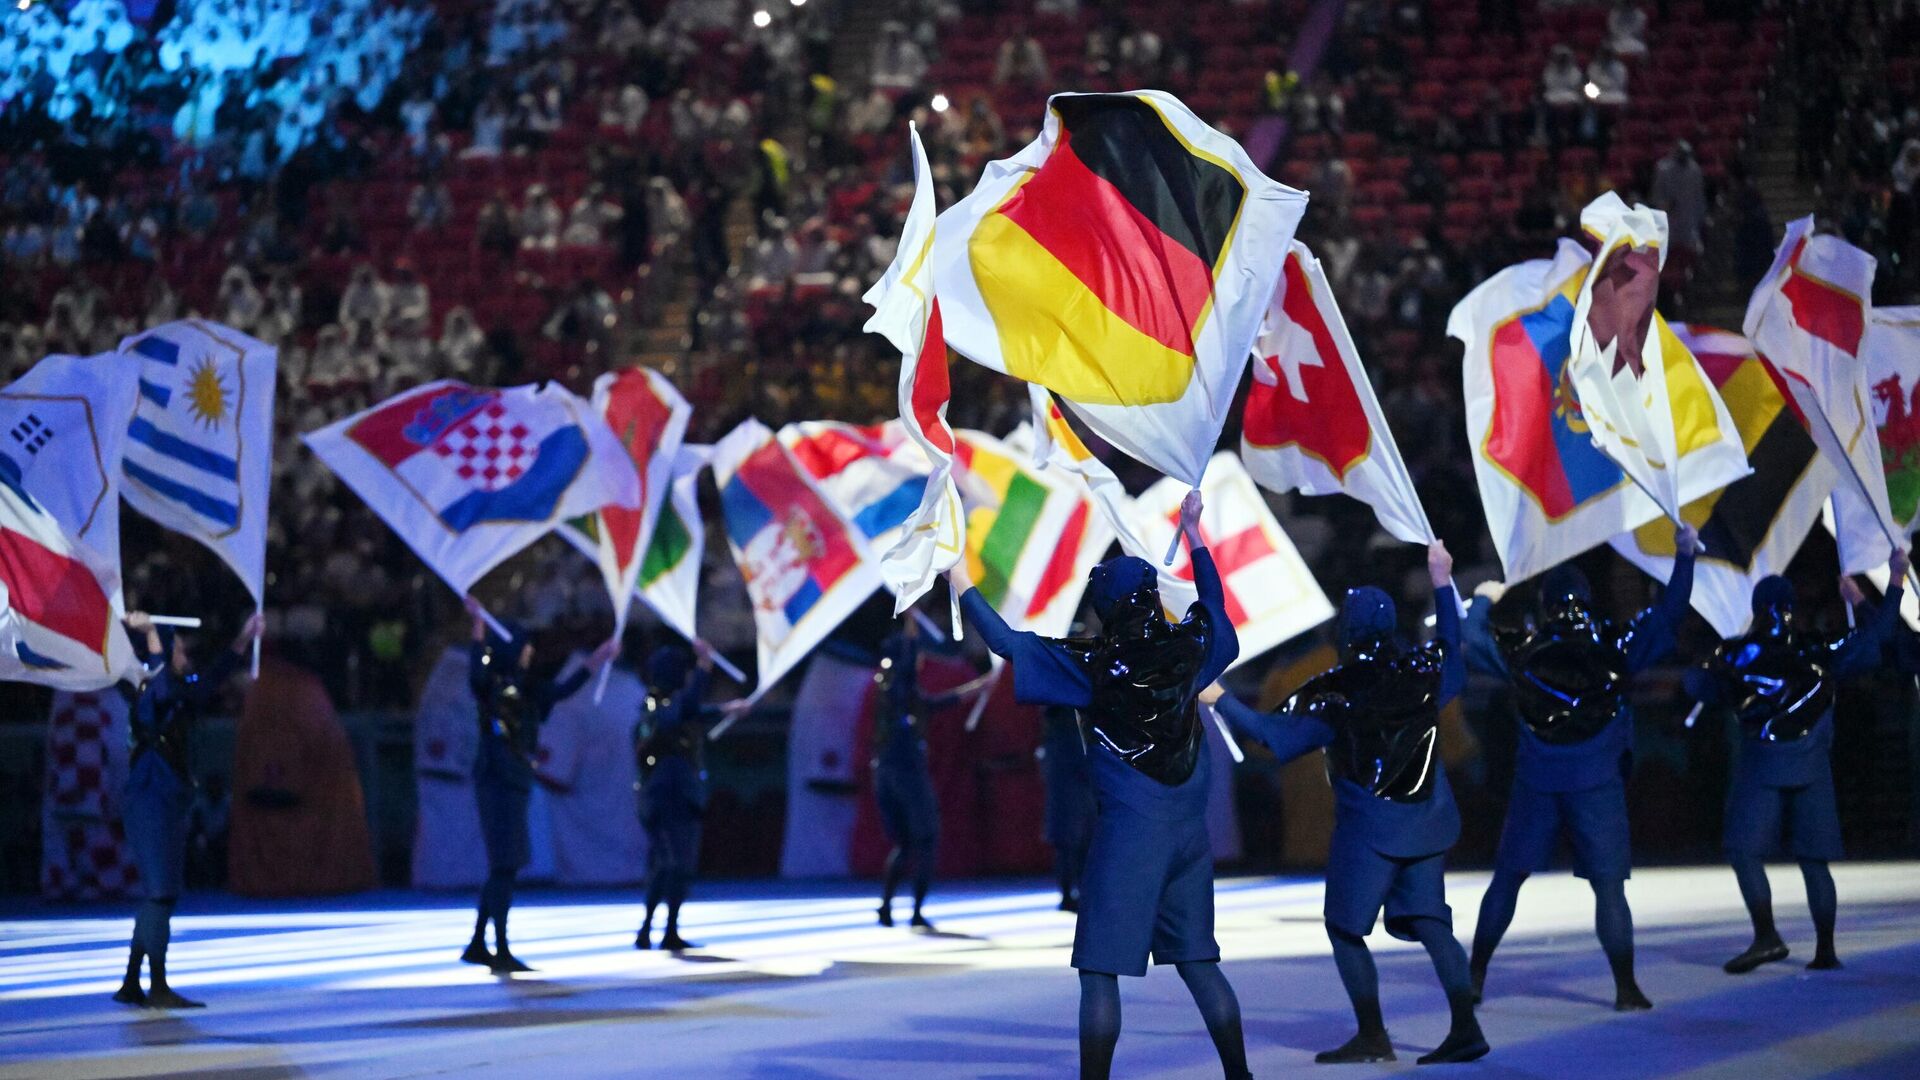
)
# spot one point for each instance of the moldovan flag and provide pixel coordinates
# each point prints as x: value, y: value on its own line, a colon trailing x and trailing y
x: 1892, y: 352
x: 1271, y: 596
x: 907, y: 313
x: 1646, y: 402
x: 1754, y: 526
x: 1123, y: 260
x: 59, y: 617
x: 470, y: 475
x: 649, y: 417
x: 1312, y: 422
x: 1032, y: 534
x: 67, y: 420
x: 199, y: 452
x: 670, y: 572
x: 1809, y: 318
x: 805, y: 566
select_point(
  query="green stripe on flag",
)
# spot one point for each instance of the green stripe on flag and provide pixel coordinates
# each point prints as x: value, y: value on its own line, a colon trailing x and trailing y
x: 670, y: 544
x: 1007, y: 539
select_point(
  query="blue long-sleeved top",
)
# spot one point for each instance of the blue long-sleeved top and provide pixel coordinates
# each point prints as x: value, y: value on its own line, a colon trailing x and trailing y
x: 1045, y: 672
x: 1802, y: 761
x: 509, y: 741
x: 163, y: 713
x: 669, y: 748
x: 1401, y: 830
x: 1600, y: 760
x: 901, y: 741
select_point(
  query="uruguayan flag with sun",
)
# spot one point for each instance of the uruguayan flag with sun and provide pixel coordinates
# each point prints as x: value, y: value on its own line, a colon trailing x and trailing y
x: 200, y: 448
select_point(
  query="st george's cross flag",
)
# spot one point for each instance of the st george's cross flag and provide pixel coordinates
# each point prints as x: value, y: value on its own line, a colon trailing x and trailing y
x: 1809, y: 317
x: 59, y: 612
x: 1312, y: 422
x: 670, y: 570
x: 470, y: 475
x: 1033, y: 535
x: 649, y: 417
x: 1122, y: 260
x: 1754, y: 526
x: 1548, y: 491
x: 1271, y: 595
x: 199, y: 452
x: 906, y: 311
x: 806, y: 567
x: 1637, y: 385
x: 1892, y: 352
x: 63, y: 427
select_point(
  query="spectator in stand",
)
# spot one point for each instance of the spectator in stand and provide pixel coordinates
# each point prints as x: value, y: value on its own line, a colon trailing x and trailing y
x: 626, y: 109
x: 983, y: 136
x: 239, y: 303
x: 461, y: 350
x: 416, y: 114
x: 1680, y: 188
x: 1022, y: 61
x: 364, y: 300
x: 284, y: 309
x: 407, y: 357
x: 407, y: 297
x: 1627, y: 29
x: 590, y: 218
x: 430, y: 206
x: 1606, y: 88
x: 540, y: 219
x: 494, y: 229
x: 585, y: 318
x: 1563, y: 93
x: 489, y: 128
x: 898, y: 64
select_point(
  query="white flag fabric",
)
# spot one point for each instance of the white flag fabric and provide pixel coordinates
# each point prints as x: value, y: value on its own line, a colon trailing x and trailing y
x: 66, y: 425
x: 1809, y: 317
x: 1892, y: 351
x: 199, y: 451
x: 907, y: 313
x: 1312, y: 422
x: 59, y: 616
x: 806, y: 567
x: 1628, y: 368
x: 470, y: 475
x: 670, y: 573
x: 1271, y: 595
x: 1123, y: 260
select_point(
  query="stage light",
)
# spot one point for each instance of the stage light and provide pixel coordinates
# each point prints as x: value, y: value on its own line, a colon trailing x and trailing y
x: 799, y: 3
x: 762, y: 20
x: 940, y: 103
x: 1593, y: 91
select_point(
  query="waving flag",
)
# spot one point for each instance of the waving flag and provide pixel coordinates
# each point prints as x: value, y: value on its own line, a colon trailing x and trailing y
x: 1809, y: 317
x: 1055, y: 445
x: 649, y: 417
x: 66, y: 425
x: 907, y: 313
x: 873, y: 476
x: 469, y: 475
x: 670, y: 572
x: 1032, y: 535
x: 1312, y: 421
x: 1123, y: 260
x: 1892, y: 351
x: 805, y: 566
x: 199, y: 452
x: 59, y: 616
x: 1271, y: 595
x: 1754, y: 526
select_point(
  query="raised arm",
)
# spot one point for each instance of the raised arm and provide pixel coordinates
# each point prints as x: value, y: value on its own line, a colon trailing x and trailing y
x: 1860, y: 651
x: 1044, y: 673
x: 1655, y: 634
x: 1482, y: 648
x: 1446, y: 622
x: 1224, y: 647
x: 1286, y: 734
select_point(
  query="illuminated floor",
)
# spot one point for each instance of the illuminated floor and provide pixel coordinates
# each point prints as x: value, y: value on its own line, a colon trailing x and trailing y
x: 800, y: 983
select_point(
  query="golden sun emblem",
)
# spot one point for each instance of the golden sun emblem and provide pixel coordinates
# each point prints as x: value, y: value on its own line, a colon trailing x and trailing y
x: 207, y: 395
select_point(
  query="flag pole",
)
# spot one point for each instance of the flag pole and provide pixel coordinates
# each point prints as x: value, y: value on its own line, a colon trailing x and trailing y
x: 953, y: 611
x: 184, y: 622
x: 728, y: 667
x: 260, y: 609
x: 986, y: 692
x: 1233, y: 745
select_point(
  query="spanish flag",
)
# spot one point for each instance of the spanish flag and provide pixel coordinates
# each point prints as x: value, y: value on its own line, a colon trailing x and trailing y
x: 1122, y: 260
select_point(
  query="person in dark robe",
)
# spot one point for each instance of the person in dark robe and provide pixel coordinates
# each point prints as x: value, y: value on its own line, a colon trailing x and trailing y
x: 159, y: 792
x: 673, y: 782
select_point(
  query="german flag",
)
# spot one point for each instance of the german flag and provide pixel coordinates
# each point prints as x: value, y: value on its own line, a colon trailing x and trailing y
x: 1123, y: 260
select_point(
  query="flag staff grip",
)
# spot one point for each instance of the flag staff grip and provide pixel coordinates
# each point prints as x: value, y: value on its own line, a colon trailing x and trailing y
x: 184, y: 622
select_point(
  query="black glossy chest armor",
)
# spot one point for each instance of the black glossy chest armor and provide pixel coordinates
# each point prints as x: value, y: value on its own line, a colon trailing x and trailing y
x: 1568, y: 687
x: 1143, y: 695
x: 674, y: 738
x: 1779, y: 685
x: 1384, y: 711
x: 504, y: 712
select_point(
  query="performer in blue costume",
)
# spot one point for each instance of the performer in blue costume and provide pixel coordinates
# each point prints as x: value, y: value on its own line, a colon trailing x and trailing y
x: 513, y: 701
x: 1070, y: 805
x: 1376, y: 715
x: 1149, y: 875
x: 1570, y: 671
x: 673, y: 782
x: 1778, y: 681
x: 159, y: 791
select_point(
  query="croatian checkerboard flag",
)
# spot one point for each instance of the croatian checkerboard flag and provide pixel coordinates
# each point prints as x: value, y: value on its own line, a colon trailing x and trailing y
x: 470, y: 475
x: 199, y: 454
x: 1271, y: 595
x: 806, y: 567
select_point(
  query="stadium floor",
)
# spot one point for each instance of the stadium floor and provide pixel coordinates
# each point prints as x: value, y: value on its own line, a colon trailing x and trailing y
x: 797, y: 981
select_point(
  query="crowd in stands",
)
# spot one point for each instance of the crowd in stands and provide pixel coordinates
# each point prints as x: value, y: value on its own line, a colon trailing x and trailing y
x: 399, y: 190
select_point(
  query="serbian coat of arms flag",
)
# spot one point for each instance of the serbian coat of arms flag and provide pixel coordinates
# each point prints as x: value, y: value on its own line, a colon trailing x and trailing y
x: 1312, y: 422
x: 1809, y: 318
x: 1755, y: 525
x: 805, y: 565
x: 1122, y: 260
x: 469, y: 475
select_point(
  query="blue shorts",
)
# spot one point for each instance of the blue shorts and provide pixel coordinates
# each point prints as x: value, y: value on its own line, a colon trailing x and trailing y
x: 1595, y: 820
x: 1361, y: 881
x: 1148, y: 889
x: 1755, y: 812
x: 908, y: 809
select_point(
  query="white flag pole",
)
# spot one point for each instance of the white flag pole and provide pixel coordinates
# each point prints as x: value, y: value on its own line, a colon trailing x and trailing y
x: 1233, y: 745
x: 184, y: 622
x: 980, y: 702
x: 259, y: 609
x: 727, y: 666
